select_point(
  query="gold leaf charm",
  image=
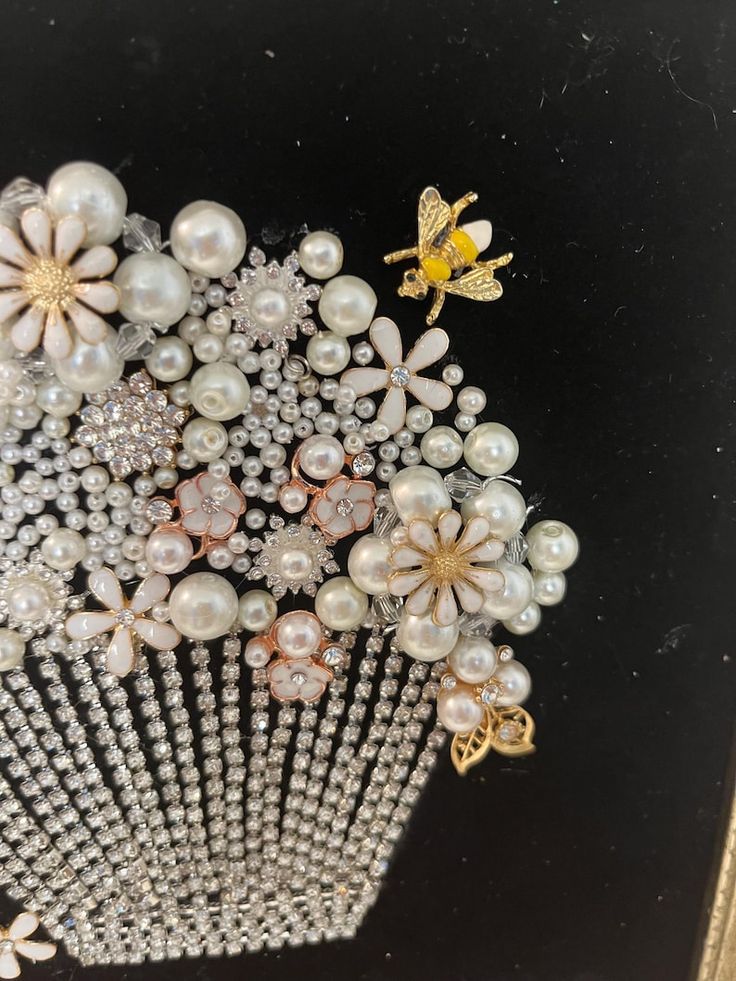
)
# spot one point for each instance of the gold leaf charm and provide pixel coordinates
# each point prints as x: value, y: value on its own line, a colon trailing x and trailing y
x: 512, y: 732
x: 469, y: 748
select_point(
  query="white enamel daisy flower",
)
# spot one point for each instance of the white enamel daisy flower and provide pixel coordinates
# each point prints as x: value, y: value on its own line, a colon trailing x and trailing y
x: 436, y: 569
x: 399, y: 375
x: 124, y: 618
x: 13, y: 943
x: 39, y: 281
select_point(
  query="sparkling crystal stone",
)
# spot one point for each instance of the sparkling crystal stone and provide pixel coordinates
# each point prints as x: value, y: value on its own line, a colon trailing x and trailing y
x: 141, y: 234
x: 462, y: 484
x: 363, y: 464
x: 400, y: 376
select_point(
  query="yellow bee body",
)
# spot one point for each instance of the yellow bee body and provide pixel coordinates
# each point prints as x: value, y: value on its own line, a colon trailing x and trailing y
x: 455, y: 253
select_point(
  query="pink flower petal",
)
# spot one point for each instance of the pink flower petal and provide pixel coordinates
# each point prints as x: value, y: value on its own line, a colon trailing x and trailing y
x: 471, y: 599
x: 98, y: 261
x: 393, y: 410
x: 35, y: 950
x: 120, y: 654
x: 445, y: 608
x: 434, y: 394
x: 152, y: 590
x: 323, y: 510
x: 402, y: 583
x: 189, y: 496
x: 23, y: 925
x: 90, y: 327
x: 106, y: 587
x: 476, y: 531
x: 339, y: 526
x: 386, y: 339
x: 448, y: 526
x: 103, y: 297
x: 221, y: 524
x: 36, y: 227
x: 27, y: 330
x: 162, y: 636
x: 365, y: 380
x: 9, y: 276
x: 362, y: 514
x: 421, y: 534
x: 421, y: 599
x: 12, y: 249
x: 90, y: 623
x: 195, y: 522
x: 362, y: 490
x: 70, y: 233
x: 430, y: 347
x: 337, y: 489
x: 57, y: 341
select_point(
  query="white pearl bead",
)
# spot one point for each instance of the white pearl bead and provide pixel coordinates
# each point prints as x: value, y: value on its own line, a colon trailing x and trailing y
x: 219, y: 391
x: 419, y: 419
x: 526, y: 621
x: 94, y: 194
x: 340, y: 605
x: 368, y: 564
x: 257, y: 610
x: 441, y: 447
x: 170, y: 359
x: 257, y: 653
x: 12, y: 649
x: 502, y: 504
x: 471, y: 400
x: 328, y: 353
x: 169, y: 550
x: 153, y: 287
x: 204, y: 439
x: 553, y: 546
x: 347, y: 305
x: 419, y: 492
x: 28, y: 602
x: 270, y: 308
x: 292, y: 498
x: 56, y: 399
x: 473, y: 659
x: 298, y: 634
x: 90, y: 367
x: 549, y: 587
x: 491, y: 449
x: 63, y: 549
x: 516, y: 594
x: 458, y: 709
x: 516, y: 683
x: 422, y: 639
x: 294, y: 564
x: 208, y: 238
x: 321, y: 457
x: 321, y: 255
x: 203, y: 606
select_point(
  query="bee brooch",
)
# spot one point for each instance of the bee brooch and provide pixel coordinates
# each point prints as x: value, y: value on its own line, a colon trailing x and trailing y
x: 448, y: 255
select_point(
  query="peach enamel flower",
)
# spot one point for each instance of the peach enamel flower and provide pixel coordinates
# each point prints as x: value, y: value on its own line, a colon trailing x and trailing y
x: 209, y: 506
x: 344, y: 506
x: 124, y: 618
x: 39, y: 281
x: 13, y: 942
x: 301, y: 679
x: 437, y: 569
x: 400, y: 374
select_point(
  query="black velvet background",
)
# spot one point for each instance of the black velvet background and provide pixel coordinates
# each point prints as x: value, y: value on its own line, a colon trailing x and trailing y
x: 600, y: 137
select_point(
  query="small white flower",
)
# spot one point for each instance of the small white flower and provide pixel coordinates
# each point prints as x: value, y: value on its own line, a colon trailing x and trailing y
x: 13, y: 943
x: 400, y: 374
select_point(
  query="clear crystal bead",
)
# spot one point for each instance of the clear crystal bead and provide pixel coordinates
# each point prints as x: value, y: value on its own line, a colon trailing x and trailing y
x: 141, y: 234
x: 462, y: 484
x: 21, y: 194
x: 135, y: 341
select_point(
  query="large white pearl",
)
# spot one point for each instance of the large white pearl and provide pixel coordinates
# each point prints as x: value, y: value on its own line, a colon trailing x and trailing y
x: 321, y: 457
x: 203, y: 606
x: 419, y: 492
x: 94, y: 194
x: 12, y: 649
x: 321, y: 255
x: 516, y: 594
x: 549, y: 587
x: 27, y: 602
x: 169, y: 550
x: 90, y: 367
x: 170, y: 359
x: 204, y: 439
x: 473, y: 659
x: 516, y: 683
x: 491, y: 449
x: 153, y: 287
x: 298, y: 634
x: 340, y: 605
x: 63, y: 549
x: 295, y: 564
x: 553, y: 546
x: 502, y: 504
x: 458, y: 709
x: 441, y: 447
x: 257, y: 610
x: 368, y: 564
x: 57, y: 399
x: 270, y: 308
x: 422, y: 639
x: 526, y: 621
x: 219, y: 391
x: 327, y: 352
x: 208, y: 238
x: 347, y: 305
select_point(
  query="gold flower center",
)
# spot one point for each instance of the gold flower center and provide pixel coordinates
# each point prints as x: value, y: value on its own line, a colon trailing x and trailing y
x: 446, y: 566
x: 47, y: 283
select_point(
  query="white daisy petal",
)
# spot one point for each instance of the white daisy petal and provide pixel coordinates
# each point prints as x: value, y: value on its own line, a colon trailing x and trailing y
x: 35, y: 950
x: 386, y: 339
x: 90, y: 623
x: 12, y: 249
x: 434, y: 394
x: 162, y: 636
x: 445, y: 607
x: 103, y: 297
x: 487, y: 551
x: 106, y: 587
x: 402, y: 583
x: 120, y: 656
x: 23, y: 925
x: 430, y: 347
x: 57, y: 341
x: 98, y: 261
x: 406, y: 557
x: 393, y: 410
x: 489, y: 580
x: 476, y: 531
x: 9, y: 966
x: 421, y: 599
x: 9, y: 276
x: 36, y: 227
x: 91, y: 327
x: 11, y: 301
x: 448, y: 525
x: 421, y: 534
x: 470, y: 598
x: 27, y: 330
x: 152, y: 590
x: 70, y: 233
x: 363, y: 381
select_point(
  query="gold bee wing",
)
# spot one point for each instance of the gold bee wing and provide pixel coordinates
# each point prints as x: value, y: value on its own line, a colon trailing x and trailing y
x: 478, y: 284
x: 434, y: 217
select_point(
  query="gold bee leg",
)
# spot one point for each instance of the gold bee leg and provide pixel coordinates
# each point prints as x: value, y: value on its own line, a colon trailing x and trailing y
x: 502, y: 260
x: 470, y: 198
x: 439, y: 299
x: 398, y: 256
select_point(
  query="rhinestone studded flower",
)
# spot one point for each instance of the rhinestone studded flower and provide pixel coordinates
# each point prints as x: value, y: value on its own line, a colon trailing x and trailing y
x: 293, y: 557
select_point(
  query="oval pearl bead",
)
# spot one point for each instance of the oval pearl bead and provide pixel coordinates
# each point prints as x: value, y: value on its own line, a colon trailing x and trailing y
x: 153, y: 287
x: 347, y: 305
x: 516, y: 683
x: 491, y: 449
x: 502, y: 504
x: 90, y: 367
x: 28, y: 602
x: 321, y: 255
x: 327, y: 352
x: 516, y: 594
x: 368, y: 564
x: 257, y: 653
x: 204, y: 439
x: 203, y: 606
x: 458, y: 709
x: 169, y: 550
x: 257, y: 610
x: 473, y: 659
x: 94, y: 194
x: 12, y: 649
x: 526, y: 621
x: 419, y: 492
x: 340, y: 605
x: 298, y: 634
x: 549, y: 587
x: 208, y: 238
x: 219, y: 391
x: 170, y: 359
x: 553, y: 546
x: 441, y: 447
x: 424, y: 640
x: 321, y: 457
x: 63, y: 549
x: 57, y: 399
